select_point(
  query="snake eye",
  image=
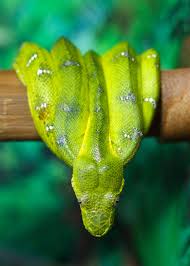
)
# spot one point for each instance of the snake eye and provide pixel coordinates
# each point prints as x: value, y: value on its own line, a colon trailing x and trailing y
x: 83, y: 199
x: 117, y: 200
x: 79, y: 202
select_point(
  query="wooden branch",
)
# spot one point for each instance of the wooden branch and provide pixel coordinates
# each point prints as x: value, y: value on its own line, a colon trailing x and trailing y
x: 172, y: 121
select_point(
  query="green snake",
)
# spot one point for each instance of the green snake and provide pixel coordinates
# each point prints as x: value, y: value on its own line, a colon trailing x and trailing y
x: 92, y: 112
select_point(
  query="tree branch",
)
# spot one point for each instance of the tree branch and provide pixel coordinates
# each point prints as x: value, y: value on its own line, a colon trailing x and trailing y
x: 171, y: 122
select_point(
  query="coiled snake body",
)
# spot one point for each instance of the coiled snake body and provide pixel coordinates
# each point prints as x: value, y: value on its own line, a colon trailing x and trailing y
x: 92, y: 112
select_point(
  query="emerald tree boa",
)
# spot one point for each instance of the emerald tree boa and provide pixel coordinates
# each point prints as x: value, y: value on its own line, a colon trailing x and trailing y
x: 92, y: 112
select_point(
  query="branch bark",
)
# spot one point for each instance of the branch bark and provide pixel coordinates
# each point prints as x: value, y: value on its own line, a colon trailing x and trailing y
x: 171, y: 122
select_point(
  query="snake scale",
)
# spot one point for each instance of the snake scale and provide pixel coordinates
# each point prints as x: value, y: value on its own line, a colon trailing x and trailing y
x: 92, y: 112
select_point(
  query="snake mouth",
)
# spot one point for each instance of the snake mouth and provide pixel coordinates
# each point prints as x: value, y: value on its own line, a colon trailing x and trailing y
x: 97, y: 222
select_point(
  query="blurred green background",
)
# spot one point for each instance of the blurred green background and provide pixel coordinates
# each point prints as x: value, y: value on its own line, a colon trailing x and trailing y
x: 40, y: 222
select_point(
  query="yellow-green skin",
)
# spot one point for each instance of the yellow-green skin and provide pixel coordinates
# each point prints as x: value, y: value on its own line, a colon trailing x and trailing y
x: 92, y: 112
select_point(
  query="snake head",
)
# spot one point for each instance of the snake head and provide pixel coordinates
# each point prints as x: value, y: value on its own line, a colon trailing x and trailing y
x: 97, y: 187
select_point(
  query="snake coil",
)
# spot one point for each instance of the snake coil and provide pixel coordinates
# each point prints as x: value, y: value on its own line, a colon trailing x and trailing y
x: 92, y: 112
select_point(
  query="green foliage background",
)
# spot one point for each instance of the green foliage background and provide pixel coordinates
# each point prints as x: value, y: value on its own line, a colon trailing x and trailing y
x: 39, y: 216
